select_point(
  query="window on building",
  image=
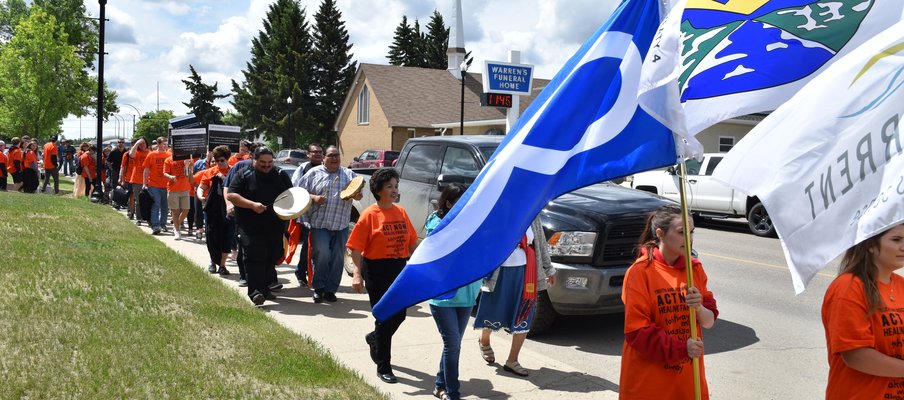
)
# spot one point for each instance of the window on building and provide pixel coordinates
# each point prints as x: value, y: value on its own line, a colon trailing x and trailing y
x: 726, y: 143
x: 364, y: 106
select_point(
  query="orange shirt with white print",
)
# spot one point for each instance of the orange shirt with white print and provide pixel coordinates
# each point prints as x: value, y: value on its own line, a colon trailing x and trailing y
x: 654, y: 295
x: 154, y: 162
x: 383, y: 233
x: 847, y: 327
x: 177, y: 169
x: 137, y: 175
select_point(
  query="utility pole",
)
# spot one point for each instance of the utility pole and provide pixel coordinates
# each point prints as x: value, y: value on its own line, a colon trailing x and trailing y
x: 100, y: 91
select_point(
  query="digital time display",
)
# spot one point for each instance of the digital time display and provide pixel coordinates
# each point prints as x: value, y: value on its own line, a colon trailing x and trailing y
x: 496, y: 100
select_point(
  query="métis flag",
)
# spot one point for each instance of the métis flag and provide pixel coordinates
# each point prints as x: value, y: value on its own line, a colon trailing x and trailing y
x: 585, y: 127
x: 829, y: 163
x: 713, y: 60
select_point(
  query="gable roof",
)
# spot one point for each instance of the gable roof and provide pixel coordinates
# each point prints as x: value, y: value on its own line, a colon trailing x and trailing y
x: 420, y: 97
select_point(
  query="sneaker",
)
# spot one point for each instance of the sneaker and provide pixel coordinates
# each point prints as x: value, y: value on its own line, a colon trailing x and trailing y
x: 178, y: 235
x: 223, y: 271
x: 330, y: 297
x: 318, y: 296
x: 302, y: 281
x: 155, y: 231
x: 275, y: 286
x: 212, y: 268
x: 138, y: 222
x: 243, y: 283
x: 163, y: 228
x: 258, y: 299
x: 198, y: 234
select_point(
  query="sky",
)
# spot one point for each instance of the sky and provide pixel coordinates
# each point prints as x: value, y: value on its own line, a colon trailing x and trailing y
x: 153, y: 42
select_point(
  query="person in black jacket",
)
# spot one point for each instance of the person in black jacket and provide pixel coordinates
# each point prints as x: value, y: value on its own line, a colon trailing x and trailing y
x: 252, y: 193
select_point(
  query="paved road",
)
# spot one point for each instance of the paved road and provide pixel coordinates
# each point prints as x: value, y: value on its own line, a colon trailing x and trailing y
x: 767, y: 344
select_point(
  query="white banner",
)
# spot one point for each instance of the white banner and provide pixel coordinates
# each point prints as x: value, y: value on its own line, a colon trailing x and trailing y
x: 828, y: 164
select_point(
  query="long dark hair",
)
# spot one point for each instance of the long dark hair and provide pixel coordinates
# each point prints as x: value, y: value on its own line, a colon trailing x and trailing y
x: 449, y: 196
x: 859, y: 262
x: 660, y: 218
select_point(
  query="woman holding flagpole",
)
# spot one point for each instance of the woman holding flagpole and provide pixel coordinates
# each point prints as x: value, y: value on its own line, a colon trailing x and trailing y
x: 658, y: 349
x: 510, y: 296
x: 864, y: 320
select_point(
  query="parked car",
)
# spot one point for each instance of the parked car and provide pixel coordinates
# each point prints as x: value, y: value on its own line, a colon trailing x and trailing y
x: 609, y: 217
x: 706, y: 197
x: 291, y: 156
x: 375, y: 159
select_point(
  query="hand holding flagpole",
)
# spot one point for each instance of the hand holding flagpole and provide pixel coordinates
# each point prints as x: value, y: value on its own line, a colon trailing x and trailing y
x: 692, y: 312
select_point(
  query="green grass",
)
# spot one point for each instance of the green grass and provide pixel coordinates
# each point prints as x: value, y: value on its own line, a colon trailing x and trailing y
x: 92, y: 308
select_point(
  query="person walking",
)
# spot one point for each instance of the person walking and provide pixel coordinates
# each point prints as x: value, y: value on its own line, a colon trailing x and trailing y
x: 3, y: 163
x: 381, y: 243
x: 16, y: 163
x: 252, y: 192
x: 88, y: 164
x: 210, y: 193
x: 180, y: 180
x: 114, y: 163
x: 51, y: 165
x: 329, y: 216
x: 137, y: 153
x: 198, y: 170
x: 315, y: 155
x: 68, y: 158
x: 658, y: 350
x: 30, y: 172
x: 861, y: 315
x: 451, y: 315
x: 155, y: 182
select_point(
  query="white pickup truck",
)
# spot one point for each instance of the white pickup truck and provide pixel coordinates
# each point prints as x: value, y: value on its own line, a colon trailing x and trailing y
x: 706, y: 197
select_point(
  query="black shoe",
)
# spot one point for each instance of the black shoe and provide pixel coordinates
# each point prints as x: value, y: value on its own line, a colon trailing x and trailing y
x: 388, y: 377
x: 270, y: 296
x: 318, y: 296
x: 274, y: 286
x: 258, y: 299
x: 243, y: 283
x: 371, y: 339
x: 155, y: 231
x: 212, y: 268
x: 223, y: 271
x: 302, y: 281
x: 330, y: 297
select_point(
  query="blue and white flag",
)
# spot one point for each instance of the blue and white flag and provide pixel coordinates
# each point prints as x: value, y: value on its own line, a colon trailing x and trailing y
x: 829, y: 163
x: 713, y: 60
x: 585, y: 127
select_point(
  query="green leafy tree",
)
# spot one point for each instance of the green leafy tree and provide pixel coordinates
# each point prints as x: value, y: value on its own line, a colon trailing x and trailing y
x: 404, y: 49
x: 281, y: 67
x: 202, y: 98
x: 436, y: 42
x: 81, y: 32
x: 153, y: 124
x: 334, y: 69
x: 11, y: 12
x: 39, y: 77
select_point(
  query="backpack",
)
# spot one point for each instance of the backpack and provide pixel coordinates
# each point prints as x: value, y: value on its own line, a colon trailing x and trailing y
x: 78, y: 166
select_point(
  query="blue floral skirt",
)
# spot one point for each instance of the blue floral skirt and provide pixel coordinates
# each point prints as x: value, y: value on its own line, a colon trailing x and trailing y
x: 499, y: 309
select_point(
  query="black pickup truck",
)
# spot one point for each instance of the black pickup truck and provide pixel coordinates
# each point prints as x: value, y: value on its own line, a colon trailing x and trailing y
x: 608, y: 217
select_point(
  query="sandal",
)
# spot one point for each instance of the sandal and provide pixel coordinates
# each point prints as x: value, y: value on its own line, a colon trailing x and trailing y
x: 487, y: 353
x: 515, y: 368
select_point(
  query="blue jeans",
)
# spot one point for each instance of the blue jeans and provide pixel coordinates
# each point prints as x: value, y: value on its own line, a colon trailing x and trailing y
x: 160, y: 209
x: 328, y: 256
x: 451, y: 322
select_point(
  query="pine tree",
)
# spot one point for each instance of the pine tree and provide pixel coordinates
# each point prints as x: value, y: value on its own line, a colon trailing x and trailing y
x: 281, y: 67
x: 403, y: 43
x: 202, y: 98
x: 436, y: 42
x: 334, y: 69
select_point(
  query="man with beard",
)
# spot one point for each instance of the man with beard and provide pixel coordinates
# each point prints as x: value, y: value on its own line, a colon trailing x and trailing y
x: 252, y: 194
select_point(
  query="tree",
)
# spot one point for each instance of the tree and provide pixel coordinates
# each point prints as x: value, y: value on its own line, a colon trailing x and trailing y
x: 436, y: 43
x: 40, y: 77
x: 281, y: 67
x: 202, y: 98
x: 81, y: 32
x: 334, y: 70
x: 11, y: 12
x: 404, y: 49
x: 153, y: 124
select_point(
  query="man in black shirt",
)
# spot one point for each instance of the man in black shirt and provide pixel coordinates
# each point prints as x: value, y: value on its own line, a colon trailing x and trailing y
x: 114, y: 162
x: 252, y: 193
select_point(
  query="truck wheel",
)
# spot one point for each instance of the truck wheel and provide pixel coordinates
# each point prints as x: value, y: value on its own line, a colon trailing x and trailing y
x: 759, y: 222
x: 544, y: 315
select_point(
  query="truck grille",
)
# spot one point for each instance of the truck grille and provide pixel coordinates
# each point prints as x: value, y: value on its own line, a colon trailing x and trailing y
x: 620, y: 241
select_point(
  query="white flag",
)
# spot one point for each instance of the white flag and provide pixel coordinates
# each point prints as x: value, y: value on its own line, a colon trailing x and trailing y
x: 828, y: 164
x: 712, y: 60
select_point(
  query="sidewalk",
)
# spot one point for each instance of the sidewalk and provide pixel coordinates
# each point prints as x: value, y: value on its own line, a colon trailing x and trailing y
x: 340, y: 327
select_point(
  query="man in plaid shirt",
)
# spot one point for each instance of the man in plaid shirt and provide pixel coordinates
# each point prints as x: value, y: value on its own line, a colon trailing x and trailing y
x: 329, y: 217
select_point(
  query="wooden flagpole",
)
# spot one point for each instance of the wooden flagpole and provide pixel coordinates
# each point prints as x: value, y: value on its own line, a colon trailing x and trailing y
x: 685, y: 217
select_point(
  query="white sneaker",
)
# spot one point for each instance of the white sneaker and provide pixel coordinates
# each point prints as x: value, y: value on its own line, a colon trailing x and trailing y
x: 178, y: 235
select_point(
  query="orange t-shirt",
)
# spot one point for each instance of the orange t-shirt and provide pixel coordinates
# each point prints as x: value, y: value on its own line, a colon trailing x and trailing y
x: 154, y: 162
x: 50, y: 150
x: 3, y: 160
x: 383, y: 233
x: 87, y: 163
x: 137, y: 175
x: 208, y: 174
x: 847, y: 328
x: 14, y: 155
x: 653, y: 294
x: 236, y: 158
x: 177, y: 169
x: 31, y: 157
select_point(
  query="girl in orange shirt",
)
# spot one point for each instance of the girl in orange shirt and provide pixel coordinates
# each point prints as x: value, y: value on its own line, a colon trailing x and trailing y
x: 656, y: 356
x: 862, y: 317
x: 30, y: 173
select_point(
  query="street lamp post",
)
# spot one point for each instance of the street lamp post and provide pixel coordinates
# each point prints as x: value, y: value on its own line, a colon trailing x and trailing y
x: 133, y: 117
x: 464, y: 73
